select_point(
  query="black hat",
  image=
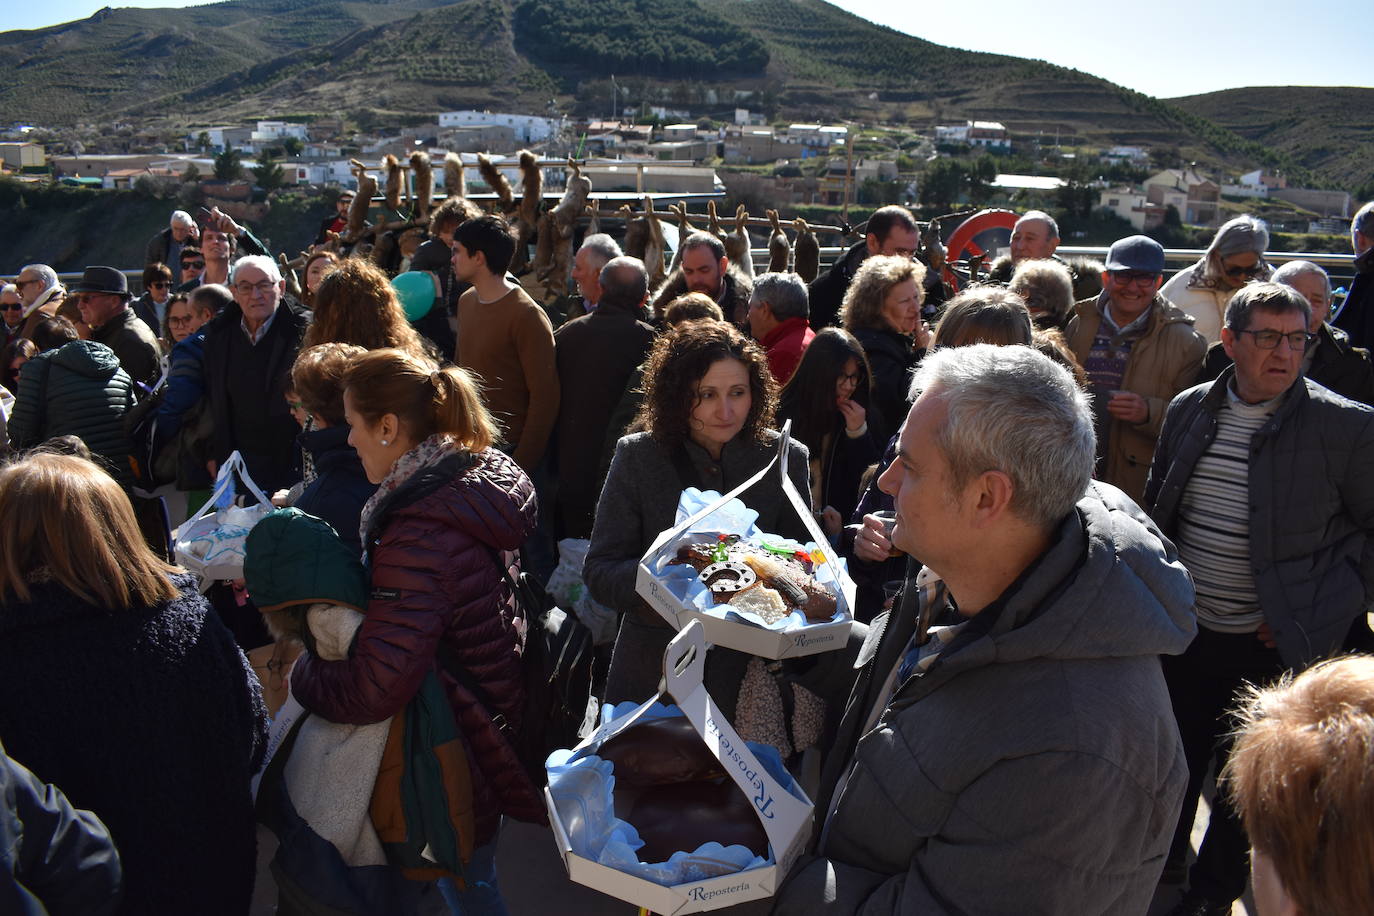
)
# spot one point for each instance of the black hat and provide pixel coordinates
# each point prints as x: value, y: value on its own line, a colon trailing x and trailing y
x: 103, y: 280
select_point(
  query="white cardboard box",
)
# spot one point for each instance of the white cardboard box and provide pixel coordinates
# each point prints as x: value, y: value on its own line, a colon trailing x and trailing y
x: 786, y: 818
x: 735, y: 634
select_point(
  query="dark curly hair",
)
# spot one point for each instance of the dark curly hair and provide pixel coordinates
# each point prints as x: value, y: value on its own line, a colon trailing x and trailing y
x: 679, y: 361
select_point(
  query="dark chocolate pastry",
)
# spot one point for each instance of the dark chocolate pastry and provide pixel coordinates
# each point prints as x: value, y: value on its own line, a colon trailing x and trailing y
x: 660, y: 751
x: 682, y: 816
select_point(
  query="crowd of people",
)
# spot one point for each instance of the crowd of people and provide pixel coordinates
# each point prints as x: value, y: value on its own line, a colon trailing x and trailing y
x: 1090, y: 515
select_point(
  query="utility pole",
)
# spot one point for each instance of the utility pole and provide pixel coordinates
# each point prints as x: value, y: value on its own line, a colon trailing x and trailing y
x: 848, y: 173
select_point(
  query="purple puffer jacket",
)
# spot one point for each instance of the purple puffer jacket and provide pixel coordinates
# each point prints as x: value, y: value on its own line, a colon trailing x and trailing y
x: 435, y: 580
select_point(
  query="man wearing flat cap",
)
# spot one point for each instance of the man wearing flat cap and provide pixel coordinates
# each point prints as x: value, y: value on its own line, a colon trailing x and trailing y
x: 1138, y: 351
x: 102, y: 294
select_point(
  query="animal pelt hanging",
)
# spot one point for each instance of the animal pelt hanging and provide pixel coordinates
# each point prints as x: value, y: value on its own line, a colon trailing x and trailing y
x: 423, y: 172
x: 492, y: 176
x: 636, y: 233
x: 655, y: 247
x: 544, y: 242
x: 527, y: 214
x: 593, y: 220
x: 455, y: 179
x: 737, y: 243
x: 293, y: 283
x: 684, y: 229
x: 713, y: 221
x: 392, y: 167
x: 362, y: 202
x: 574, y: 199
x: 779, y: 250
x: 806, y: 252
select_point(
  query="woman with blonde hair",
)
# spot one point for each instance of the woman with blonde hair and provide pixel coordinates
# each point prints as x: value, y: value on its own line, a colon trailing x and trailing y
x: 1046, y: 286
x: 1235, y: 258
x: 448, y: 515
x: 882, y: 309
x: 984, y: 314
x: 124, y: 688
x: 355, y: 304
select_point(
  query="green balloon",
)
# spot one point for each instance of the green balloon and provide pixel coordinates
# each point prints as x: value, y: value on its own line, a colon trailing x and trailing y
x: 416, y: 290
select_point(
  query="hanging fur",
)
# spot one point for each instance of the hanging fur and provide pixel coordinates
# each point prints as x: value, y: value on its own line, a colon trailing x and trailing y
x: 392, y: 167
x: 655, y: 247
x: 574, y: 199
x: 713, y: 221
x: 423, y: 173
x: 543, y: 246
x: 806, y: 252
x: 497, y: 182
x: 779, y: 250
x: 531, y: 189
x: 684, y: 229
x: 593, y: 220
x: 455, y: 181
x: 293, y: 283
x: 362, y: 202
x: 636, y: 233
x: 384, y: 253
x: 737, y: 244
x: 560, y: 269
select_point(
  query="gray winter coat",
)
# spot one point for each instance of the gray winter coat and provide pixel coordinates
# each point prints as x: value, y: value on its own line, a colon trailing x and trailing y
x: 1035, y: 768
x: 1312, y: 507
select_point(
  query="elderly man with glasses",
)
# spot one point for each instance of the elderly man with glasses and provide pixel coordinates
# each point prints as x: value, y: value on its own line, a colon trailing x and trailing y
x: 102, y: 295
x: 249, y: 350
x: 1262, y: 481
x: 1138, y: 350
x: 11, y: 312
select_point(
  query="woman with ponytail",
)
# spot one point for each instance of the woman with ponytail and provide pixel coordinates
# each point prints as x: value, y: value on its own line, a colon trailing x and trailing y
x: 448, y: 514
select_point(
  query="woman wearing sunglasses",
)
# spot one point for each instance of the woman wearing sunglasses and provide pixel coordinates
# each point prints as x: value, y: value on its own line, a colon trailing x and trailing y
x: 1235, y: 257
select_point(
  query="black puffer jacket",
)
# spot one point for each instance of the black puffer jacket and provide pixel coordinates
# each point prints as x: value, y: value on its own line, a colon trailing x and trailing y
x: 77, y: 390
x: 1311, y: 507
x: 892, y: 358
x: 151, y: 718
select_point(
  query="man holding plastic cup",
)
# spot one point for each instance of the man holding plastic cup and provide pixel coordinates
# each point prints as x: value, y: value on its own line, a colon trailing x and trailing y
x: 1009, y: 741
x: 1138, y: 350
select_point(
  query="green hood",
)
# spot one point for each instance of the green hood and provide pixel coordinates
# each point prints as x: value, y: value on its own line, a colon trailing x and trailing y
x: 292, y: 558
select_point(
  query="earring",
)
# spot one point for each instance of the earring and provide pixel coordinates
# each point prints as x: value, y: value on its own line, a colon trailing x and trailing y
x: 384, y: 442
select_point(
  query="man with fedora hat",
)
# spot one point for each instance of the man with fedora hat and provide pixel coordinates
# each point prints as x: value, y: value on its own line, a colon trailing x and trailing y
x: 1138, y: 350
x: 102, y: 294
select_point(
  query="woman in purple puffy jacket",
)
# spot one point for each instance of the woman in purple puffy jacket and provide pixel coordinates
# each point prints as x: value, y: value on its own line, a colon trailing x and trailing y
x: 448, y: 509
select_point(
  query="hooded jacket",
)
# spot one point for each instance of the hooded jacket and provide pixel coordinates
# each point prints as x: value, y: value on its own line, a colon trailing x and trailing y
x: 1035, y: 767
x: 1163, y: 361
x: 1311, y: 507
x: 436, y: 587
x: 78, y: 390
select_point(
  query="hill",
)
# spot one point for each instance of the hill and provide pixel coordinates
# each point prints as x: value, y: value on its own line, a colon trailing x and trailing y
x: 245, y: 59
x: 1327, y: 129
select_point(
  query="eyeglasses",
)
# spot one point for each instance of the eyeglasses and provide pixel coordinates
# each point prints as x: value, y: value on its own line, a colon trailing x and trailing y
x: 1138, y: 277
x: 1253, y: 270
x: 192, y: 265
x: 851, y: 378
x: 20, y: 283
x: 12, y: 307
x: 82, y: 298
x: 178, y: 320
x: 162, y: 284
x: 248, y: 289
x: 1269, y: 340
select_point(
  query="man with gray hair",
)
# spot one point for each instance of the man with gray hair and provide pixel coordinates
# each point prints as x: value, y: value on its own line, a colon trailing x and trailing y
x: 1009, y: 736
x: 1034, y: 237
x: 43, y: 296
x: 596, y: 356
x: 1356, y: 315
x: 778, y: 320
x: 249, y: 350
x: 1262, y: 480
x: 165, y: 247
x: 1329, y: 359
x: 596, y: 250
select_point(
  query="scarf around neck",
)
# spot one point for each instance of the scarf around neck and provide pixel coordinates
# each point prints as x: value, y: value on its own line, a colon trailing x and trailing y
x: 427, y: 454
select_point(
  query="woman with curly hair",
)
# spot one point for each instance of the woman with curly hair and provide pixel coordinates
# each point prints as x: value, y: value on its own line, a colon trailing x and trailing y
x: 355, y: 304
x: 706, y: 422
x: 1235, y: 257
x: 882, y: 309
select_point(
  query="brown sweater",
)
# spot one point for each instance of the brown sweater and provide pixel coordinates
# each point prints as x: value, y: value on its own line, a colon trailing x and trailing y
x: 509, y: 344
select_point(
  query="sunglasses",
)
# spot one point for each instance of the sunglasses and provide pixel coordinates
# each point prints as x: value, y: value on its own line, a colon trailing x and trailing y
x: 162, y: 284
x: 12, y: 307
x: 1134, y: 276
x: 1252, y: 271
x: 192, y: 265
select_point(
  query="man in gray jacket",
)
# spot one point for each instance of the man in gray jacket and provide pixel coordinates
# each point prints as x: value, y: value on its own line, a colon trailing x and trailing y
x: 1263, y: 480
x: 1013, y: 753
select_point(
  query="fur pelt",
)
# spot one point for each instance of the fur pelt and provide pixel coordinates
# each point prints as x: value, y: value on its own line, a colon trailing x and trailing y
x: 423, y: 172
x: 779, y: 250
x: 655, y: 247
x: 498, y: 182
x: 806, y: 252
x: 455, y: 178
x: 737, y: 243
x: 574, y: 198
x: 392, y: 167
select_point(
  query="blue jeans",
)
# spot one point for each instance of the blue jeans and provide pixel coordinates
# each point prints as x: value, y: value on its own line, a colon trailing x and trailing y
x: 481, y: 897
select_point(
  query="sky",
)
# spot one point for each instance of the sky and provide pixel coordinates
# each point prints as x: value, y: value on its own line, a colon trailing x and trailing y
x: 1165, y: 49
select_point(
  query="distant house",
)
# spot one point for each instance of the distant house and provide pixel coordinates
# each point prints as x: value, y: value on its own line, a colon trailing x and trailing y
x: 652, y: 178
x: 1323, y: 203
x: 1127, y: 154
x: 676, y: 132
x: 1201, y: 197
x: 1134, y: 206
x: 478, y: 138
x: 270, y: 131
x: 528, y: 128
x: 21, y: 156
x: 760, y: 144
x: 990, y: 135
x: 221, y: 138
x: 690, y: 150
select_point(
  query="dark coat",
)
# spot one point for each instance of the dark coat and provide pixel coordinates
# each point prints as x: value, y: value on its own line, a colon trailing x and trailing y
x: 284, y: 340
x: 1311, y: 511
x: 596, y: 354
x: 734, y: 301
x: 54, y: 859
x: 892, y: 358
x: 159, y: 248
x: 151, y: 718
x: 1356, y: 317
x: 182, y: 423
x: 135, y: 344
x: 436, y: 588
x: 1337, y: 365
x: 827, y: 291
x: 77, y: 390
x: 340, y: 488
